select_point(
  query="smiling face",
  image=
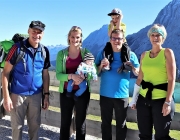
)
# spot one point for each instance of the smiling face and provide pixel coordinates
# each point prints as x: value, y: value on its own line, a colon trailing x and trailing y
x: 75, y: 39
x: 89, y: 62
x: 116, y: 40
x: 157, y: 34
x: 115, y: 19
x: 35, y: 36
x: 156, y: 39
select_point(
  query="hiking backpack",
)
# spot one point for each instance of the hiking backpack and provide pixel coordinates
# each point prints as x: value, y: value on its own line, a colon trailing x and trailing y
x: 6, y: 45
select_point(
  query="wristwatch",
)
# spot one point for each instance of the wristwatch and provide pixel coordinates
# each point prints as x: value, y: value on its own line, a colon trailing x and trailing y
x: 168, y: 103
x: 46, y: 93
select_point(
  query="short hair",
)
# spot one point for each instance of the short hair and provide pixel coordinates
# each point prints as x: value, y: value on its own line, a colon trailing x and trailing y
x: 117, y: 31
x: 75, y: 29
x: 158, y: 28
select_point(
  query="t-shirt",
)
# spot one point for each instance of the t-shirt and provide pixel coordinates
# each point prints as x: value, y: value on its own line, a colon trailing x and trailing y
x: 71, y: 67
x: 123, y: 27
x: 114, y: 84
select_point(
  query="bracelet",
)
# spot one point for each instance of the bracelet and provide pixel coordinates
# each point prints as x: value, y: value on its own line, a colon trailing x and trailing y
x: 168, y: 103
x: 46, y: 93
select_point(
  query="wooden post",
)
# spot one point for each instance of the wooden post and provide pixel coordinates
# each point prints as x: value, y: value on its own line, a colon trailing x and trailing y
x: 1, y: 98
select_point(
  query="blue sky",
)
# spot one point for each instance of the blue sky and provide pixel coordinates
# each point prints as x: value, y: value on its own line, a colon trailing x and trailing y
x: 60, y: 15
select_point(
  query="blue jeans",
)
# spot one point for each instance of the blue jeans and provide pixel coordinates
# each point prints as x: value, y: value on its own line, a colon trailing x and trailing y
x: 80, y: 91
x: 67, y: 104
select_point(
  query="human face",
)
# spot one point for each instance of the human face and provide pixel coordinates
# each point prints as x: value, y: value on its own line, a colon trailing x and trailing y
x: 116, y: 41
x: 89, y: 62
x: 156, y: 39
x: 115, y: 19
x: 35, y: 36
x: 75, y: 39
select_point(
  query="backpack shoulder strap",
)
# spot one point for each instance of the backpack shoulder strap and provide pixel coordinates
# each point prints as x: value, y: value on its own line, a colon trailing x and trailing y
x: 125, y: 52
x: 43, y: 51
x: 21, y: 55
x: 108, y: 52
x: 2, y: 53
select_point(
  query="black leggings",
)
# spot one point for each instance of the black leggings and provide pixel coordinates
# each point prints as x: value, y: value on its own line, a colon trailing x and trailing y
x: 149, y: 115
x: 67, y: 104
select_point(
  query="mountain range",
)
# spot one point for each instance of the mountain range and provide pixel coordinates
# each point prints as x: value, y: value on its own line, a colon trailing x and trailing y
x: 169, y: 16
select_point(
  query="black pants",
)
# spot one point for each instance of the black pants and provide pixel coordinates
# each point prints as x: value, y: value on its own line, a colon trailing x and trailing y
x: 67, y: 104
x: 120, y: 108
x: 151, y: 114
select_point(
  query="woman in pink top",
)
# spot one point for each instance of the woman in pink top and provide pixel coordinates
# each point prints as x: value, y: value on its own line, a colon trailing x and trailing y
x: 67, y: 63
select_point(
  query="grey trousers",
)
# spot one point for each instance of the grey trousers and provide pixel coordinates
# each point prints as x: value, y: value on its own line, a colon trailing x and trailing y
x: 29, y: 106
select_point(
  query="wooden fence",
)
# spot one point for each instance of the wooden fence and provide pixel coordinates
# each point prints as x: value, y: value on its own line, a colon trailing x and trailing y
x: 52, y: 118
x: 94, y: 127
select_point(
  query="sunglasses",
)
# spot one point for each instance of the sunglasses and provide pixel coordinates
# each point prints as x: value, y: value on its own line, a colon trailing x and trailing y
x: 37, y: 23
x: 75, y: 27
x: 114, y: 39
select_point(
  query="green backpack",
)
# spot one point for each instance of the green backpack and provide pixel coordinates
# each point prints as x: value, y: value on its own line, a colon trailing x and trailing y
x: 4, y: 49
x: 6, y: 45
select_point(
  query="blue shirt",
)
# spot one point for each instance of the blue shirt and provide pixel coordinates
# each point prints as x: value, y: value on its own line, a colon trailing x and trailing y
x: 114, y: 84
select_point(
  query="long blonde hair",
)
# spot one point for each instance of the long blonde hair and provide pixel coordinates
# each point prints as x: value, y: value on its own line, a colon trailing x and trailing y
x: 75, y: 29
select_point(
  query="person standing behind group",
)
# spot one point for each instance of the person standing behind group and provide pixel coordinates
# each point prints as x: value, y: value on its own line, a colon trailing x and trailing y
x: 67, y: 63
x: 30, y: 77
x: 155, y: 105
x: 114, y: 88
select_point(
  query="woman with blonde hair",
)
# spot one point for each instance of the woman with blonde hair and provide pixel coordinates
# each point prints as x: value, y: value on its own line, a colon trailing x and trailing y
x: 155, y: 105
x: 67, y: 63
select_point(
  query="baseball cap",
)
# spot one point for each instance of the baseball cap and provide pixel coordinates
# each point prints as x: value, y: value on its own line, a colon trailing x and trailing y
x: 115, y: 11
x: 37, y: 24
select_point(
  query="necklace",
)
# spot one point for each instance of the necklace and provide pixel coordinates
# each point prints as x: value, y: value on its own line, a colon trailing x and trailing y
x: 152, y: 55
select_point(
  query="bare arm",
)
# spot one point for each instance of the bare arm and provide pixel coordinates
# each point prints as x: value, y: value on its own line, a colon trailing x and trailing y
x: 100, y: 69
x: 104, y: 62
x: 137, y: 85
x: 5, y: 80
x: 118, y: 26
x: 171, y: 73
x: 140, y: 76
x: 46, y: 81
x: 135, y: 71
x: 111, y: 28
